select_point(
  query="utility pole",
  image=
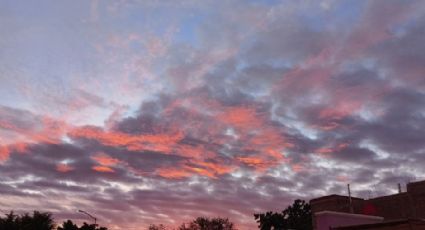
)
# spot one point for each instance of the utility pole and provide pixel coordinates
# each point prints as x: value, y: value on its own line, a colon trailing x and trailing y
x: 88, y: 214
x: 349, y: 199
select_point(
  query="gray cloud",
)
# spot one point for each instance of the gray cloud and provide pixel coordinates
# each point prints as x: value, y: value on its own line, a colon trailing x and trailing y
x: 264, y: 109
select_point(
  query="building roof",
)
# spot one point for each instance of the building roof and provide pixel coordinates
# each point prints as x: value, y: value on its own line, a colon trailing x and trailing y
x: 353, y: 215
x: 333, y: 196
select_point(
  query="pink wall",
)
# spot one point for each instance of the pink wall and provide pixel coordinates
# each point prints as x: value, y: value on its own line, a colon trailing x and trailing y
x: 326, y: 219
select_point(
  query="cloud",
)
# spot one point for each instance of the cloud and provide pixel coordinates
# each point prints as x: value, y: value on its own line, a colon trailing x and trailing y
x: 242, y: 110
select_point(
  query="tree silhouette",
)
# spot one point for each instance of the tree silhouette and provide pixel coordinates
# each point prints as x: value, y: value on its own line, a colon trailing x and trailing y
x: 205, y: 223
x: 270, y: 220
x: 297, y: 216
x: 68, y: 225
x: 10, y: 222
x: 39, y: 221
x: 91, y: 227
x: 36, y: 221
x: 156, y: 227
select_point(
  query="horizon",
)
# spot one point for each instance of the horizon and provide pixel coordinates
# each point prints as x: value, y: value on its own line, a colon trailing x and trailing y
x: 157, y: 112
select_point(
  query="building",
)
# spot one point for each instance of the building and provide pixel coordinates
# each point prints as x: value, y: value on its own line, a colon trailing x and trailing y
x: 406, y: 205
x: 405, y: 224
x: 325, y: 219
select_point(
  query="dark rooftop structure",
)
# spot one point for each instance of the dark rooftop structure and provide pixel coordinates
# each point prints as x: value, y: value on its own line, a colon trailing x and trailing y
x: 403, y: 206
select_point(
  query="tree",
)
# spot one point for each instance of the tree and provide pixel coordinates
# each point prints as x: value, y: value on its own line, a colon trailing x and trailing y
x: 39, y: 221
x: 88, y: 226
x: 9, y: 222
x: 156, y: 227
x: 91, y: 227
x: 68, y: 225
x: 270, y: 220
x: 297, y: 216
x: 205, y: 223
x: 36, y: 221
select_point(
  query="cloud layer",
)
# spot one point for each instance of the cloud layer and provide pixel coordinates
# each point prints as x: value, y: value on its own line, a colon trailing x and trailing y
x: 152, y: 112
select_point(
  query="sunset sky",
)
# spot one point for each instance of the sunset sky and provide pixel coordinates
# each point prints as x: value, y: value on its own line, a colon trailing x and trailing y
x: 143, y: 112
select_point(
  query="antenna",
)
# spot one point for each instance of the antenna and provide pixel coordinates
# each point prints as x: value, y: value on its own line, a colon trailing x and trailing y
x: 349, y: 198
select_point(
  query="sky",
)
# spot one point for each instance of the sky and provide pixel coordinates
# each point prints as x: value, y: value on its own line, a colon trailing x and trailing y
x: 149, y: 112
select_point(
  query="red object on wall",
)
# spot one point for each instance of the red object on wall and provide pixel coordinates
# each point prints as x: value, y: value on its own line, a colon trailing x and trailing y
x: 369, y: 209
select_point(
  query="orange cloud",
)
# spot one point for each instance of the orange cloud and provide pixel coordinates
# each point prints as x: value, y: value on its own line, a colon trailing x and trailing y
x: 251, y: 127
x: 173, y: 173
x: 51, y: 131
x: 240, y: 117
x: 251, y: 160
x: 337, y: 111
x: 131, y: 142
x: 100, y: 168
x: 255, y: 133
x: 20, y: 147
x: 105, y: 160
x: 196, y: 152
x: 195, y: 167
x: 326, y: 151
x: 47, y: 130
x: 257, y: 162
x: 4, y: 153
x: 63, y: 168
x: 7, y: 125
x: 217, y: 169
x: 6, y: 150
x: 201, y: 171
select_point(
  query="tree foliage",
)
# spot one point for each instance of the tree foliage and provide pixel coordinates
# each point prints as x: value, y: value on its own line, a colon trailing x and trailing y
x: 156, y: 227
x: 296, y: 216
x: 39, y: 221
x: 86, y: 226
x: 205, y: 223
x: 36, y: 221
x: 69, y: 225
